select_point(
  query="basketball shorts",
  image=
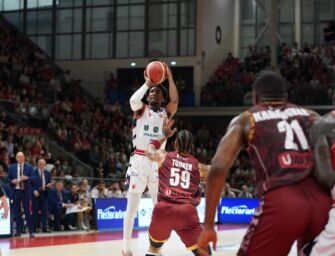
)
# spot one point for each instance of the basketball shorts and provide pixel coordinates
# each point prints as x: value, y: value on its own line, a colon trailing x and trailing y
x: 141, y: 173
x: 286, y: 214
x: 182, y: 218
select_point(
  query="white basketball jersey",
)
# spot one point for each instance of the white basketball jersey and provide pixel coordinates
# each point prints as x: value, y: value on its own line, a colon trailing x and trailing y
x: 148, y: 127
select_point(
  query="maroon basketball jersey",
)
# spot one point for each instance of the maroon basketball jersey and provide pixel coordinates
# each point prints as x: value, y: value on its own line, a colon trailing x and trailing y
x: 179, y: 179
x: 279, y: 145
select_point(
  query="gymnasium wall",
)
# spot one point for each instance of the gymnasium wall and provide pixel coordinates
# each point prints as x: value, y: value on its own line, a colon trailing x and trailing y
x: 210, y: 14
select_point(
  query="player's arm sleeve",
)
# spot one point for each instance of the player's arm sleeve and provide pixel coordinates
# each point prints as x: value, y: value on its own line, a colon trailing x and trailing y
x: 171, y: 107
x: 136, y: 99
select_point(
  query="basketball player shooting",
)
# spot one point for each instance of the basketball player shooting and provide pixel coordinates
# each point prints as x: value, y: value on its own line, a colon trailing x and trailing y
x: 179, y: 192
x: 4, y: 203
x: 293, y: 206
x: 148, y: 125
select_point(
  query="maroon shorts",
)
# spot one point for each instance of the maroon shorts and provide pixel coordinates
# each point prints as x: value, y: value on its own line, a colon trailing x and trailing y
x: 182, y: 218
x: 286, y: 214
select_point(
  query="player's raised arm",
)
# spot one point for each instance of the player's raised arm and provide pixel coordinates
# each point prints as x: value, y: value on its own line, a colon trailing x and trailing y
x: 136, y: 103
x: 171, y: 107
x: 153, y: 151
x: 226, y: 153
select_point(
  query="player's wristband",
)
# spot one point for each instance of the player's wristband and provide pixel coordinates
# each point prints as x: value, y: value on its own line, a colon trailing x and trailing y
x: 156, y: 143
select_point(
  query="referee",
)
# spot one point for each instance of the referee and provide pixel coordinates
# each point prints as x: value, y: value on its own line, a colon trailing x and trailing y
x: 4, y: 203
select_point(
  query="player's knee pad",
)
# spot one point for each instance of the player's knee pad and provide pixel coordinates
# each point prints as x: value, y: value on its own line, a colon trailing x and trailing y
x: 156, y: 244
x: 196, y: 253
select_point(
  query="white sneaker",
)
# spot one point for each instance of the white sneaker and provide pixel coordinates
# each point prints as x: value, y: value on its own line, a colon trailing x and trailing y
x: 72, y: 227
x: 127, y: 253
x: 84, y: 227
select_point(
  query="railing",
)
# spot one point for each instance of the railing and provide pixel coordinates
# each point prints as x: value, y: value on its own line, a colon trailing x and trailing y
x: 58, y: 151
x: 54, y: 148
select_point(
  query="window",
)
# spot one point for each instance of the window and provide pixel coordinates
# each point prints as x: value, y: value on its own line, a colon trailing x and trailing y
x: 187, y: 37
x: 68, y: 3
x: 111, y: 29
x: 15, y: 18
x: 187, y: 14
x: 64, y: 47
x: 136, y: 44
x: 99, y: 19
x: 100, y: 46
x: 68, y: 20
x: 99, y: 2
x: 11, y: 5
x: 162, y: 16
x: 122, y: 45
x: 44, y: 22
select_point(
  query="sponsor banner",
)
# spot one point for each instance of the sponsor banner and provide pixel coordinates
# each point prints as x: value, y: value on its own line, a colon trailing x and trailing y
x: 237, y: 210
x: 5, y: 224
x: 110, y: 213
x: 144, y: 212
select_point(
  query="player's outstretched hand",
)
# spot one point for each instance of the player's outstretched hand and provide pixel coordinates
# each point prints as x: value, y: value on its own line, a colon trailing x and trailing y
x: 206, y: 236
x: 167, y: 127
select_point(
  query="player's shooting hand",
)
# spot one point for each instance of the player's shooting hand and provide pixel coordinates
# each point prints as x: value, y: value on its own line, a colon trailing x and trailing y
x: 167, y: 127
x: 207, y: 235
x: 147, y: 80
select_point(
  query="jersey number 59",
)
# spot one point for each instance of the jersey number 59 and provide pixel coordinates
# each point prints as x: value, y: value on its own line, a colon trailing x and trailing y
x: 180, y: 177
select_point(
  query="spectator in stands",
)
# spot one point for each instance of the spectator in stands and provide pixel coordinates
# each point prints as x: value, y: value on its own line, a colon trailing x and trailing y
x: 114, y: 190
x: 74, y: 200
x: 41, y: 187
x: 227, y: 192
x: 99, y: 191
x: 21, y: 176
x: 59, y: 202
x: 123, y: 189
x: 245, y: 193
x: 8, y: 144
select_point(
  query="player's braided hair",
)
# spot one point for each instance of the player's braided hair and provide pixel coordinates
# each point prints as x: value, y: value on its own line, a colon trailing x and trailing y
x: 185, y: 141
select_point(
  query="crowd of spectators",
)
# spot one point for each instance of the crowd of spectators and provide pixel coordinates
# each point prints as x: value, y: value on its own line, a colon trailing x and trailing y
x: 308, y: 71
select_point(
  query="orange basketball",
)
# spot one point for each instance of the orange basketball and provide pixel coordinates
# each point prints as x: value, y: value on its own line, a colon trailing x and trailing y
x: 156, y: 71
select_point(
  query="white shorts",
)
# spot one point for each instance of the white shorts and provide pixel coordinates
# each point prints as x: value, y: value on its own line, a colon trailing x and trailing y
x: 325, y: 244
x: 142, y: 172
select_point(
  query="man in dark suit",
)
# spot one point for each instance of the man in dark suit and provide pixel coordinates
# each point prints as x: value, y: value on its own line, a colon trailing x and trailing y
x: 40, y: 194
x: 21, y: 177
x: 58, y: 200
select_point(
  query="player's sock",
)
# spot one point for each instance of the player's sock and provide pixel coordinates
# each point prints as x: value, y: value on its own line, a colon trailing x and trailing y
x: 129, y: 218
